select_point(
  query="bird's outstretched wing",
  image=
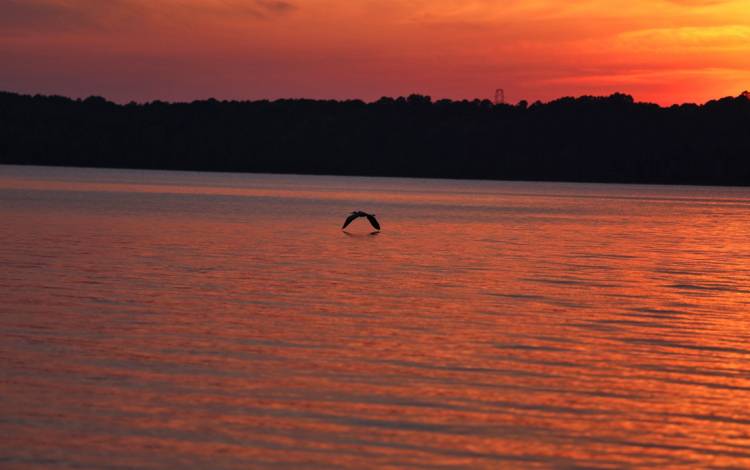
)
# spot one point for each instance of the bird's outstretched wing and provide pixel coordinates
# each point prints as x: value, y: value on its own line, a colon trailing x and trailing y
x: 349, y: 220
x: 373, y: 221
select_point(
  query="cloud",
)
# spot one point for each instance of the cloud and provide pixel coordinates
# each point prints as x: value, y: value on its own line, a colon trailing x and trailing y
x: 75, y: 15
x: 699, y: 3
x: 43, y: 15
x: 726, y: 38
x: 275, y: 6
x: 258, y: 9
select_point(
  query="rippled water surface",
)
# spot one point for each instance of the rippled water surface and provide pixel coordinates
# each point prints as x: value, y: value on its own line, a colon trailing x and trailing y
x: 178, y: 320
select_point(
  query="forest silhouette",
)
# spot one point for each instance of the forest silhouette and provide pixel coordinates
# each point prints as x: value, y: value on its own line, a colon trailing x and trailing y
x: 595, y: 139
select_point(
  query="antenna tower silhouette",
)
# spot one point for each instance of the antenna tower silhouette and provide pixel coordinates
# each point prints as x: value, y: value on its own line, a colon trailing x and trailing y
x: 499, y: 96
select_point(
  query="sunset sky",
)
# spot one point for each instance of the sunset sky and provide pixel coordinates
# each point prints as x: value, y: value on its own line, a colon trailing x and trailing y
x: 663, y: 51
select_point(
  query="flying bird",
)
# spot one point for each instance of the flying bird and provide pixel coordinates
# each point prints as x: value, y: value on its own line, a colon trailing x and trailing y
x: 357, y: 214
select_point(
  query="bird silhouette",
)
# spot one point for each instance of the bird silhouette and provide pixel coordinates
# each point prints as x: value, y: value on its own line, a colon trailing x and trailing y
x: 357, y: 214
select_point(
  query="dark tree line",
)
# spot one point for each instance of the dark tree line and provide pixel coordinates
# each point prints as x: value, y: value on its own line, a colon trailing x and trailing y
x: 607, y: 139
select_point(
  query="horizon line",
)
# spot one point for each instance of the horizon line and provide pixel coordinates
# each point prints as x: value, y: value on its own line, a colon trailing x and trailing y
x: 432, y: 100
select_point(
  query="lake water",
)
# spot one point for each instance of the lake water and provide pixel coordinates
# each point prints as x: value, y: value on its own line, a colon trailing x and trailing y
x: 195, y: 320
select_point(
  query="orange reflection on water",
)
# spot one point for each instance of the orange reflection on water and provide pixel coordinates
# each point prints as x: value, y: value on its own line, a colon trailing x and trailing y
x: 513, y: 325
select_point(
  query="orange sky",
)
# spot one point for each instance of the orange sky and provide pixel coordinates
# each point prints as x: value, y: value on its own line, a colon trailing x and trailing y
x: 663, y: 51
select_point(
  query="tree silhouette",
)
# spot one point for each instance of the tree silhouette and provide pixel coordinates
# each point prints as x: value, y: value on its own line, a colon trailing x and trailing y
x: 606, y: 139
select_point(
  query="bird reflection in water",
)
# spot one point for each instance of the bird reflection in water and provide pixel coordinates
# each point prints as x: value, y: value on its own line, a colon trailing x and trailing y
x: 361, y: 235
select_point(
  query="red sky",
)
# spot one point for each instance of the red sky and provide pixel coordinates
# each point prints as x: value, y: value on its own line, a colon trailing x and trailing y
x: 663, y: 51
